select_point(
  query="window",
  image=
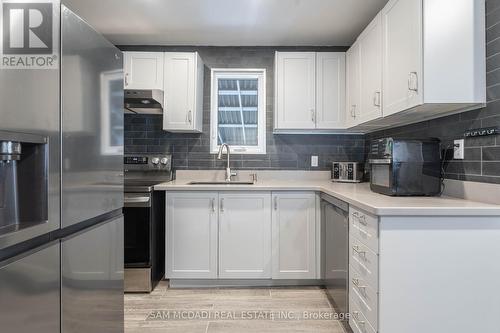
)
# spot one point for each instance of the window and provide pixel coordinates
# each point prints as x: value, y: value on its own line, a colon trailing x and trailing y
x: 238, y: 112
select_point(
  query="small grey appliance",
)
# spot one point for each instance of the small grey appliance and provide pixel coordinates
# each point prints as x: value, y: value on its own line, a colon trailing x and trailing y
x: 144, y: 211
x: 347, y: 172
x: 148, y: 101
x: 405, y: 167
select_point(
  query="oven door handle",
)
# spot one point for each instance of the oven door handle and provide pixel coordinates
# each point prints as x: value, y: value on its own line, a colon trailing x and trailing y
x: 380, y: 161
x: 136, y: 201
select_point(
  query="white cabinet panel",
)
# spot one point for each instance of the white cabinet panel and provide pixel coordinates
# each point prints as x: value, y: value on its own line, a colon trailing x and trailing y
x: 183, y: 110
x: 402, y: 55
x: 143, y: 70
x: 191, y: 250
x: 370, y: 68
x: 330, y: 90
x: 295, y: 80
x: 352, y: 84
x: 294, y: 235
x: 245, y: 235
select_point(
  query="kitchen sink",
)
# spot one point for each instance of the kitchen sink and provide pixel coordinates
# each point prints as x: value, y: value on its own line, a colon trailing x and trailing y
x: 221, y: 183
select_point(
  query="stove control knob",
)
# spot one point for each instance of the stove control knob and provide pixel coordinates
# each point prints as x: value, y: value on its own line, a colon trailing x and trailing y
x: 164, y: 161
x: 155, y: 160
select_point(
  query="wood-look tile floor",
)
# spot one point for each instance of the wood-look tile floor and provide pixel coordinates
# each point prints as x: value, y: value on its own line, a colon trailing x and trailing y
x: 160, y: 311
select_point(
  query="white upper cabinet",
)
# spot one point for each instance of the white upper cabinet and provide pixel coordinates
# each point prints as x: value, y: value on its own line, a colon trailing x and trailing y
x: 370, y: 69
x: 402, y: 56
x: 353, y: 81
x: 295, y: 88
x: 330, y: 90
x: 143, y: 70
x: 309, y: 91
x: 424, y: 57
x: 294, y: 235
x: 183, y: 105
x: 245, y: 235
x: 433, y: 57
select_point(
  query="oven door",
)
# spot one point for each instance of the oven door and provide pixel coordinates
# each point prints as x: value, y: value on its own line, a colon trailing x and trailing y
x: 138, y: 228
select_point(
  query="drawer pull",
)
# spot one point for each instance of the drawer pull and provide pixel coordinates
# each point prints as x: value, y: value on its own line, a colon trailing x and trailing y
x: 356, y: 249
x: 356, y: 318
x: 355, y: 282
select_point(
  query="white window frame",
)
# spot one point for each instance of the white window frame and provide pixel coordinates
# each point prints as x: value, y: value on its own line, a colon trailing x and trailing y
x: 239, y: 73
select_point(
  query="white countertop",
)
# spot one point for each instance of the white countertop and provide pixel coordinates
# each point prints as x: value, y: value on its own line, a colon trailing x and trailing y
x: 358, y: 195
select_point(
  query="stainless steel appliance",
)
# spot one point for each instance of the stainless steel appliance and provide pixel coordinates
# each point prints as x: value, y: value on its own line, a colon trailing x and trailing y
x: 145, y: 220
x: 347, y: 172
x: 335, y: 253
x: 61, y: 181
x: 144, y: 101
x: 405, y: 167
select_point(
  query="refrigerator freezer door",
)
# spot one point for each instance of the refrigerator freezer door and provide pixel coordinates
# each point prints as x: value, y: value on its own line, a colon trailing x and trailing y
x: 30, y: 108
x: 29, y: 289
x: 92, y: 122
x: 92, y: 280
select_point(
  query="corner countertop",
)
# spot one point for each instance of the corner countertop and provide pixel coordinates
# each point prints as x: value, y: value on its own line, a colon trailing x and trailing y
x: 358, y: 195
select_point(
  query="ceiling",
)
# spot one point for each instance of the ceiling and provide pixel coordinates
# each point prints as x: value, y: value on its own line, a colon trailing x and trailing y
x: 228, y: 22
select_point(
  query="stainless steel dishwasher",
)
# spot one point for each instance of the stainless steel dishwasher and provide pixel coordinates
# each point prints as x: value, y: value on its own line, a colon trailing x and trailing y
x: 335, y: 264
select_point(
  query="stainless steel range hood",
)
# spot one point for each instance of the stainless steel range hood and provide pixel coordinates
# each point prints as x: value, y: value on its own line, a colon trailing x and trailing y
x: 144, y: 101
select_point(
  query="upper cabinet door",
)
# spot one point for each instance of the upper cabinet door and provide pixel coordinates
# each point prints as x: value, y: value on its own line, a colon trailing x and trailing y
x: 330, y: 90
x: 402, y: 55
x: 295, y: 80
x: 245, y: 235
x: 370, y: 52
x: 180, y: 91
x: 352, y: 84
x: 143, y: 70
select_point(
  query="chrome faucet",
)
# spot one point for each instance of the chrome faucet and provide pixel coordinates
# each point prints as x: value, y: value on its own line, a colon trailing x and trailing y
x: 229, y: 173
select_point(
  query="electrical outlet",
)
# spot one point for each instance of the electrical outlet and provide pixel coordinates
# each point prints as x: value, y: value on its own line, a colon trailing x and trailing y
x: 458, y: 149
x: 314, y: 161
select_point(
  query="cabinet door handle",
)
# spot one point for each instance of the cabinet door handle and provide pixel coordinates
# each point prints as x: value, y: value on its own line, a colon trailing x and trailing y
x: 213, y: 205
x: 126, y: 79
x: 313, y: 116
x: 190, y: 118
x: 353, y: 111
x: 275, y: 203
x: 413, y: 81
x: 376, y: 98
x: 222, y: 204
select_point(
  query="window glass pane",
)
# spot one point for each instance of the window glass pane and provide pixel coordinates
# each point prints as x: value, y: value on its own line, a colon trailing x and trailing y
x: 237, y: 112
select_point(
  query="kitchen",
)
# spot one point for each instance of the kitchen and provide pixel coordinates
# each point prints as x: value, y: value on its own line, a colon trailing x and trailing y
x: 305, y: 166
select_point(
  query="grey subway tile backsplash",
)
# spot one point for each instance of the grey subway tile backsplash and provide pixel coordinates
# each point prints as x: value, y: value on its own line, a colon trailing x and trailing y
x: 192, y: 151
x: 143, y: 133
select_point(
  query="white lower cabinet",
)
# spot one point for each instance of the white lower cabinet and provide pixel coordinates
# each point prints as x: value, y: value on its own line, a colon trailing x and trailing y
x: 191, y: 234
x: 245, y: 235
x: 241, y: 235
x: 294, y: 235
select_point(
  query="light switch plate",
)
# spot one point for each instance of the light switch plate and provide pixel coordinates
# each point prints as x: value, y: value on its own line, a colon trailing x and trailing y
x: 458, y: 149
x: 314, y: 161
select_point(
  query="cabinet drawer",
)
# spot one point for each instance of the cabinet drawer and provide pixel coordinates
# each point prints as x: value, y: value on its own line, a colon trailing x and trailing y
x: 364, y: 261
x: 363, y: 297
x: 358, y: 321
x: 364, y: 227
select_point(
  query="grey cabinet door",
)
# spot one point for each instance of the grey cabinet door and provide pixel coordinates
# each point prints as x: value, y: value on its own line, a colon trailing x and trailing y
x: 29, y: 292
x: 92, y: 280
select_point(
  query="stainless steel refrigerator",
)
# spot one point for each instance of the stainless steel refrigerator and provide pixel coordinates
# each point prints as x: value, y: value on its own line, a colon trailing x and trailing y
x: 61, y: 173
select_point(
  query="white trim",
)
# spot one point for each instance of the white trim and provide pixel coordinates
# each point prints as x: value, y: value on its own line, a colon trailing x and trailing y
x: 254, y: 73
